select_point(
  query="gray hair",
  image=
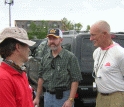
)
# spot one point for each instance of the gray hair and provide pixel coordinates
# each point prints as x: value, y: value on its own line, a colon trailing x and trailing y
x: 103, y: 26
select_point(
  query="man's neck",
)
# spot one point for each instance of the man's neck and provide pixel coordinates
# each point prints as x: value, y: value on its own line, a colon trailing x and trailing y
x: 107, y: 45
x: 15, y: 60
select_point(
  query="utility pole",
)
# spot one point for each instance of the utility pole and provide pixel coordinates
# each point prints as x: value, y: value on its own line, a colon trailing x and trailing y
x: 10, y: 2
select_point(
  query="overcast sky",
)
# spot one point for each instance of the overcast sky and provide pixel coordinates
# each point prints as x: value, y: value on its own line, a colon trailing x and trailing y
x: 84, y: 11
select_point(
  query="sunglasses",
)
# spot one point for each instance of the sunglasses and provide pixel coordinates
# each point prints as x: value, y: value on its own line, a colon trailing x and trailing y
x: 53, y: 64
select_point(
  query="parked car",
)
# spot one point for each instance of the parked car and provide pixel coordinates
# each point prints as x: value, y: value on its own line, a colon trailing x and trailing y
x: 83, y: 48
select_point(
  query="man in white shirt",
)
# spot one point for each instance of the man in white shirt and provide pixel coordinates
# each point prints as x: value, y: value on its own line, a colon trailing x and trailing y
x: 108, y: 66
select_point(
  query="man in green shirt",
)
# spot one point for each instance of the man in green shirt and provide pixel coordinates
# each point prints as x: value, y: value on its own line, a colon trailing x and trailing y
x: 59, y: 74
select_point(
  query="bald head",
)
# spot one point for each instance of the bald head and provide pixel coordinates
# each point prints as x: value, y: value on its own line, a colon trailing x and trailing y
x: 101, y: 26
x: 100, y: 34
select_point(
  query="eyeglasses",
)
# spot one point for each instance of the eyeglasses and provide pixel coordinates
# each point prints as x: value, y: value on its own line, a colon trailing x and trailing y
x: 53, y: 64
x: 94, y: 75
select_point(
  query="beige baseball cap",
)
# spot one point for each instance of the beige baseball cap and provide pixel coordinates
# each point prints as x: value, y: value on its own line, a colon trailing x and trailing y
x: 16, y: 33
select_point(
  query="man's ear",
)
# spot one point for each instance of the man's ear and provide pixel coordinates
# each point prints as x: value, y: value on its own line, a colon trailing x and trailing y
x: 104, y: 33
x: 61, y: 39
x: 17, y: 46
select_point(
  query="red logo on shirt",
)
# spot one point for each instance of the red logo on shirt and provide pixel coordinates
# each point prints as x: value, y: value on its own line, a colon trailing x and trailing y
x: 107, y: 64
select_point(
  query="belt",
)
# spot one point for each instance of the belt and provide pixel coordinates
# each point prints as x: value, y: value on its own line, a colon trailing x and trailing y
x: 54, y: 92
x: 105, y: 94
x: 51, y: 92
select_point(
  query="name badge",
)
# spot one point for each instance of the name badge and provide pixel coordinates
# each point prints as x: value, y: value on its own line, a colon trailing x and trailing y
x: 94, y: 85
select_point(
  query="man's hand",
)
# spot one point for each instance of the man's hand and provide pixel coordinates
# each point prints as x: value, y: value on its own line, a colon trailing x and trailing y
x: 36, y: 102
x: 68, y: 103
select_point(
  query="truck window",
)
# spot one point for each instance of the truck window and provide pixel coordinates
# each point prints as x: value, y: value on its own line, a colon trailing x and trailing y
x: 87, y: 49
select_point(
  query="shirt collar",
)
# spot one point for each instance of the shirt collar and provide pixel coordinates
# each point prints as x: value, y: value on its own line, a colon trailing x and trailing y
x: 60, y: 54
x: 9, y: 69
x: 112, y: 45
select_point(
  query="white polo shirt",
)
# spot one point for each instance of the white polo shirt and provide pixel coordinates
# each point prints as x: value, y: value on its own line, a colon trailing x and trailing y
x: 109, y: 66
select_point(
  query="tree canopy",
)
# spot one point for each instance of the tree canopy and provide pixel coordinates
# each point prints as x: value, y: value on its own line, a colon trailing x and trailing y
x: 39, y: 31
x: 69, y: 25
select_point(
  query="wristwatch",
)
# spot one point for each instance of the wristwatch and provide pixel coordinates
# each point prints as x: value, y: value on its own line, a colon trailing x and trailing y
x: 71, y: 99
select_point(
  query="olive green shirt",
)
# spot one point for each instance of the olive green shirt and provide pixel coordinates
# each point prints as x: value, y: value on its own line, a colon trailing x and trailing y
x: 60, y: 71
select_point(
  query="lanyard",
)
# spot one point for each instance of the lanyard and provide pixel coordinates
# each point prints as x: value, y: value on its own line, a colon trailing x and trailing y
x: 97, y: 66
x: 99, y: 62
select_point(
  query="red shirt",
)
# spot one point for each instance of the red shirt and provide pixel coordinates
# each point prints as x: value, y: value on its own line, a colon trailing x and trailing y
x: 14, y: 88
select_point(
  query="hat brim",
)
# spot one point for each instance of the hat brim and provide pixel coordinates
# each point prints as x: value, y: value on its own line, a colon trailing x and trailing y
x: 28, y: 42
x: 53, y: 35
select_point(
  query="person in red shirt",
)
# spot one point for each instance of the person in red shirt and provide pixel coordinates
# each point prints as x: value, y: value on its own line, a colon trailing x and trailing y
x: 15, y: 90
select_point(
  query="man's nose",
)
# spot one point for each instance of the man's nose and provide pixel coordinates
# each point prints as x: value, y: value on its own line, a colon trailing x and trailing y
x: 51, y: 40
x: 91, y: 38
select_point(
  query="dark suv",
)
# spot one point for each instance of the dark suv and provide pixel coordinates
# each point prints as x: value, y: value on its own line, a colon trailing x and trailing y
x: 83, y: 49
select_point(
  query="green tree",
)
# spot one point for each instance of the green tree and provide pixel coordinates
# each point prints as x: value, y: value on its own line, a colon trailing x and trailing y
x: 88, y: 28
x: 38, y: 31
x: 68, y: 25
x: 78, y: 26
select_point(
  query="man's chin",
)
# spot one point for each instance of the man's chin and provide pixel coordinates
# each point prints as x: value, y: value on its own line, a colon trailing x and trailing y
x: 26, y: 60
x: 95, y: 45
x: 53, y: 48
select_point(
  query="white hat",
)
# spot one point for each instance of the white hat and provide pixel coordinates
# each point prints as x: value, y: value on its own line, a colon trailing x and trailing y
x: 16, y: 33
